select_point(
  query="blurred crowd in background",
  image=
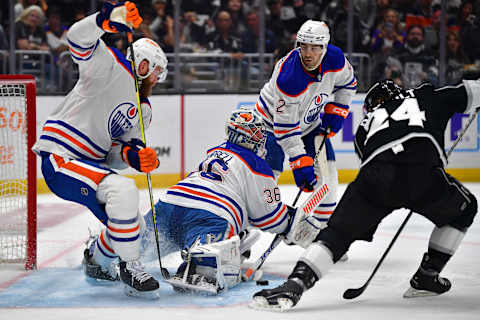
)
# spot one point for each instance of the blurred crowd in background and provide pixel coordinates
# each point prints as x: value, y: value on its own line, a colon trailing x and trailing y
x: 401, y: 39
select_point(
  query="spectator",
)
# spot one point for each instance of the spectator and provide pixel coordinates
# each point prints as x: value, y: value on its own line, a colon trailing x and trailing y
x: 193, y: 32
x: 456, y: 59
x: 284, y: 23
x: 469, y: 26
x: 387, y: 37
x: 366, y: 10
x: 337, y: 20
x: 29, y: 30
x: 419, y: 14
x: 382, y: 7
x: 56, y: 33
x: 389, y: 34
x: 23, y: 4
x: 251, y: 37
x: 418, y: 63
x: 235, y: 8
x: 223, y: 39
x: 162, y: 26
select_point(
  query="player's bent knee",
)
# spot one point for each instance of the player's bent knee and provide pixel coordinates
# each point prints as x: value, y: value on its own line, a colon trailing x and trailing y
x: 334, y: 241
x: 465, y: 220
x: 120, y: 195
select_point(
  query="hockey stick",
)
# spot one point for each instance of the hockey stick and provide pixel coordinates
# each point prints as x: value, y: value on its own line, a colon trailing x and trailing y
x: 352, y: 293
x: 278, y: 238
x: 163, y: 270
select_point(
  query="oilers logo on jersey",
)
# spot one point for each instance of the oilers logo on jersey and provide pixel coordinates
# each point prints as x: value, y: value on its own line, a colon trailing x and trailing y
x: 315, y: 108
x: 120, y: 120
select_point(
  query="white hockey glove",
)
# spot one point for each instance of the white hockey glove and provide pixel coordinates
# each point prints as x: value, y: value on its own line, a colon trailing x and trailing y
x: 121, y: 17
x: 302, y: 230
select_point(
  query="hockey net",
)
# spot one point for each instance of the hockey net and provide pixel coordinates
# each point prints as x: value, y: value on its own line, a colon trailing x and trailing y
x: 18, y: 170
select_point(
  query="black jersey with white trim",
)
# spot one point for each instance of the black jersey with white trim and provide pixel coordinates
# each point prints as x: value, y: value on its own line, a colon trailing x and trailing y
x: 422, y: 112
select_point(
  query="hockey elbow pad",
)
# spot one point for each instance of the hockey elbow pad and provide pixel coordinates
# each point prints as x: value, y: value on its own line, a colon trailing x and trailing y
x: 121, y: 17
x: 334, y: 116
x: 137, y: 156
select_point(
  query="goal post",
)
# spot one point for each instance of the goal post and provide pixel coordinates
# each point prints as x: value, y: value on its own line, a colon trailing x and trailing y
x: 18, y: 171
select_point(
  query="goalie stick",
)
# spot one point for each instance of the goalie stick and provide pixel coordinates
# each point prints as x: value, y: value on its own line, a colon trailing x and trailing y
x: 352, y: 293
x: 310, y: 204
x: 163, y: 270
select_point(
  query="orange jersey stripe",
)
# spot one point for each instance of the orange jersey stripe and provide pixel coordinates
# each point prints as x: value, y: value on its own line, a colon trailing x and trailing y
x: 105, y: 244
x: 90, y: 174
x: 123, y: 230
x: 273, y: 219
x: 202, y: 194
x: 71, y: 139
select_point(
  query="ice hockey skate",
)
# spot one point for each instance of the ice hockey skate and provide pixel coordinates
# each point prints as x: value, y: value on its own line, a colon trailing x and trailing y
x: 94, y: 272
x: 424, y: 284
x: 138, y: 283
x: 280, y: 299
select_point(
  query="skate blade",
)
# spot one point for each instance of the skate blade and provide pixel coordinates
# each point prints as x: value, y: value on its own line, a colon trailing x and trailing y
x: 100, y: 282
x: 415, y: 293
x: 132, y: 292
x: 183, y: 287
x: 261, y: 304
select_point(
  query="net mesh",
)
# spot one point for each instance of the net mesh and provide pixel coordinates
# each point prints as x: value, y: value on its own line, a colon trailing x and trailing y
x: 13, y: 172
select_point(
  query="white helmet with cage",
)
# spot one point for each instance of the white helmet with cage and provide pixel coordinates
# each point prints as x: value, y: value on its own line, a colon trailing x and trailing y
x: 313, y: 32
x: 147, y: 49
x: 245, y: 128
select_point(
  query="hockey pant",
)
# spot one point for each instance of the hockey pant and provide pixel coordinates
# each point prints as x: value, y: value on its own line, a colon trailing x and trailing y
x: 111, y: 197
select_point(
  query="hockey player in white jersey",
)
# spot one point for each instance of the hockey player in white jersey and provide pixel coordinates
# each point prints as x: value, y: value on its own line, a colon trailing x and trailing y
x: 313, y: 78
x: 96, y: 129
x: 208, y: 213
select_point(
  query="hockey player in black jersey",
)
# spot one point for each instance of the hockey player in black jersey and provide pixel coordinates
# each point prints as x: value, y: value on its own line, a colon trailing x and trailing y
x: 400, y: 143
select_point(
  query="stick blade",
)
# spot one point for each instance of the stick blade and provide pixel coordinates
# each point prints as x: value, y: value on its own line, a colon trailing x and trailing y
x: 353, y: 293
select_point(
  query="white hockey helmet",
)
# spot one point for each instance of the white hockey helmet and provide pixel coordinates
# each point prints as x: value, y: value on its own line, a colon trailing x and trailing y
x: 147, y: 49
x: 313, y: 32
x: 245, y: 128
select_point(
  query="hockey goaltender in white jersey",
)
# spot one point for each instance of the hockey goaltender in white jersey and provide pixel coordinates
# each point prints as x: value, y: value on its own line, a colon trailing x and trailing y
x: 210, y: 214
x: 96, y: 129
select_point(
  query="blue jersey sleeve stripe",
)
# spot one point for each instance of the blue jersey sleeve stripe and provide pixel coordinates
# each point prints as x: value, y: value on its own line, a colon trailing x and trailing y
x: 73, y: 44
x: 78, y: 133
x: 256, y: 221
x: 275, y: 225
x: 195, y: 186
x: 286, y: 125
x: 264, y: 105
x: 289, y: 135
x: 69, y: 148
x: 189, y: 196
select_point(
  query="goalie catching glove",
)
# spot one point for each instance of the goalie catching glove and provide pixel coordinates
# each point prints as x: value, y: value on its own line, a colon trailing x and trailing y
x: 121, y: 17
x: 138, y: 156
x: 301, y: 230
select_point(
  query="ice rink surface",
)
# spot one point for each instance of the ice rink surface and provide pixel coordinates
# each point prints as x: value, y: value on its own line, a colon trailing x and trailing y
x: 58, y: 290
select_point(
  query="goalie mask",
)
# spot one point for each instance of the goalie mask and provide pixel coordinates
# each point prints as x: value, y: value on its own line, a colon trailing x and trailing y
x: 147, y: 49
x: 245, y: 128
x: 381, y: 92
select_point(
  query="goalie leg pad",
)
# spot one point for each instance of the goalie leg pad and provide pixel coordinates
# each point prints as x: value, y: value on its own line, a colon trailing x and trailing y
x: 120, y: 196
x: 210, y: 268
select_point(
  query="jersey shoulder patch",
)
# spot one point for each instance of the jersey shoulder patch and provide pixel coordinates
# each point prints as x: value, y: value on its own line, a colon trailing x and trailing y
x: 292, y: 79
x: 334, y: 59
